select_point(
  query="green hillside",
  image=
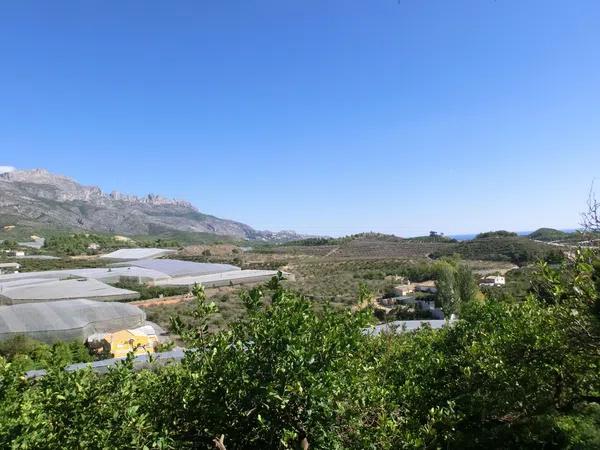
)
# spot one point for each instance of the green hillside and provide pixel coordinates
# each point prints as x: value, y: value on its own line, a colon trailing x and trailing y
x: 548, y: 234
x: 516, y: 249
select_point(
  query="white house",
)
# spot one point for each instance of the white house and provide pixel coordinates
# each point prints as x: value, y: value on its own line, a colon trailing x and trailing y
x: 404, y: 289
x: 10, y: 267
x: 493, y: 280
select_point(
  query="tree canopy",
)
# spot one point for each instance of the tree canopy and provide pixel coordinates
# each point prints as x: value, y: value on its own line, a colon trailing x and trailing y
x: 507, y: 374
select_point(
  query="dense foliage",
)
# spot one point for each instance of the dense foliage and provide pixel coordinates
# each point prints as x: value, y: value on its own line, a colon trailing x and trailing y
x: 8, y: 244
x: 508, y: 374
x: 79, y: 244
x: 455, y: 285
x: 34, y: 264
x: 86, y: 243
x: 27, y: 354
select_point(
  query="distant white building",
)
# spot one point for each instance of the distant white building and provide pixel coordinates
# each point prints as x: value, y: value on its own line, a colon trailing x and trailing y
x: 493, y: 280
x: 416, y: 303
x: 426, y: 286
x: 404, y: 289
x: 11, y: 267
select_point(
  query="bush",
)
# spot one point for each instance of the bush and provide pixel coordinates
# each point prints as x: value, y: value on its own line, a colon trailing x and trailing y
x: 506, y: 375
x: 27, y: 354
x: 149, y: 292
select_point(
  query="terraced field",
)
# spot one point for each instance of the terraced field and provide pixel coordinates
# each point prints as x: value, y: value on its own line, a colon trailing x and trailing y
x: 332, y: 272
x: 373, y: 249
x: 366, y: 249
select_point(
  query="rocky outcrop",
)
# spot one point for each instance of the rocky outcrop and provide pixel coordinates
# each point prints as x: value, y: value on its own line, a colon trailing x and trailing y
x: 38, y: 197
x: 43, y: 184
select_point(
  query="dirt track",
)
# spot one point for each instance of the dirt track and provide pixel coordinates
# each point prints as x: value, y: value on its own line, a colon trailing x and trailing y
x: 162, y: 301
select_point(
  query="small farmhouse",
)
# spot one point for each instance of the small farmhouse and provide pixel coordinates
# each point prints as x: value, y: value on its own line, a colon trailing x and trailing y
x: 495, y: 280
x: 140, y: 341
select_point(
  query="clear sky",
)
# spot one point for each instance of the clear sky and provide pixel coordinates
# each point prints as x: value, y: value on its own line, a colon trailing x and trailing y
x: 322, y: 116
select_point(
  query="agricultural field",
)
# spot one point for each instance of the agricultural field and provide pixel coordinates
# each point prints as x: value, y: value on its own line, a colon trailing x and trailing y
x: 515, y: 249
x: 364, y: 246
x: 33, y: 265
x: 328, y: 270
x: 331, y: 272
x: 332, y: 269
x: 227, y: 299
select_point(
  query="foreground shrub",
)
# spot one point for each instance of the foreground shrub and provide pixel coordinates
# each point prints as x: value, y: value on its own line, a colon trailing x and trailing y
x: 506, y: 375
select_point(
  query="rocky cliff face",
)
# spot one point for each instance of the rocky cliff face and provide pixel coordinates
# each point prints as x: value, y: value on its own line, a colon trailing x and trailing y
x: 38, y: 197
x: 43, y: 184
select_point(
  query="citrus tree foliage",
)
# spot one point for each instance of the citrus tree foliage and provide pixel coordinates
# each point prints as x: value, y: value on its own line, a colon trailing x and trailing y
x: 79, y: 410
x: 26, y: 353
x: 574, y: 291
x: 506, y: 375
x: 284, y: 374
x: 499, y: 375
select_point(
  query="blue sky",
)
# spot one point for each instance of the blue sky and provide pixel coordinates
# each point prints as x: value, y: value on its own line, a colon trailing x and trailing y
x: 322, y: 116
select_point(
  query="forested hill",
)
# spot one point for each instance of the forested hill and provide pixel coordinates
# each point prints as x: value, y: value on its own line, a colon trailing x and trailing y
x: 503, y: 246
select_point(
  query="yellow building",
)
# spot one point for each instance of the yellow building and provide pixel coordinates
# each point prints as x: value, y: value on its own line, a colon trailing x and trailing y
x: 139, y: 341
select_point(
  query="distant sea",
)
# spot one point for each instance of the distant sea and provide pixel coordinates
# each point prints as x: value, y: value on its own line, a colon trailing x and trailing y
x: 468, y: 237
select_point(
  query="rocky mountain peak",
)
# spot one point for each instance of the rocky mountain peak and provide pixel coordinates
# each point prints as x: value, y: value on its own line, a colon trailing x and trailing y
x: 39, y: 197
x: 62, y: 188
x: 40, y: 176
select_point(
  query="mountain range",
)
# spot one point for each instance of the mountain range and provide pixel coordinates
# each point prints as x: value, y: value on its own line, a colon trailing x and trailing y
x: 38, y: 198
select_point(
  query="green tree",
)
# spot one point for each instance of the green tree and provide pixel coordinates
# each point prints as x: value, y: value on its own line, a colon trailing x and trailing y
x: 446, y: 287
x: 9, y: 244
x: 289, y: 377
x: 465, y: 285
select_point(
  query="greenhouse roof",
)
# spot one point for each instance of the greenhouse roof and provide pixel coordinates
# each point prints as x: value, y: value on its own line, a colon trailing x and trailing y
x: 125, y: 254
x: 221, y: 278
x: 48, y: 290
x: 177, y: 268
x: 62, y: 315
x: 101, y: 274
